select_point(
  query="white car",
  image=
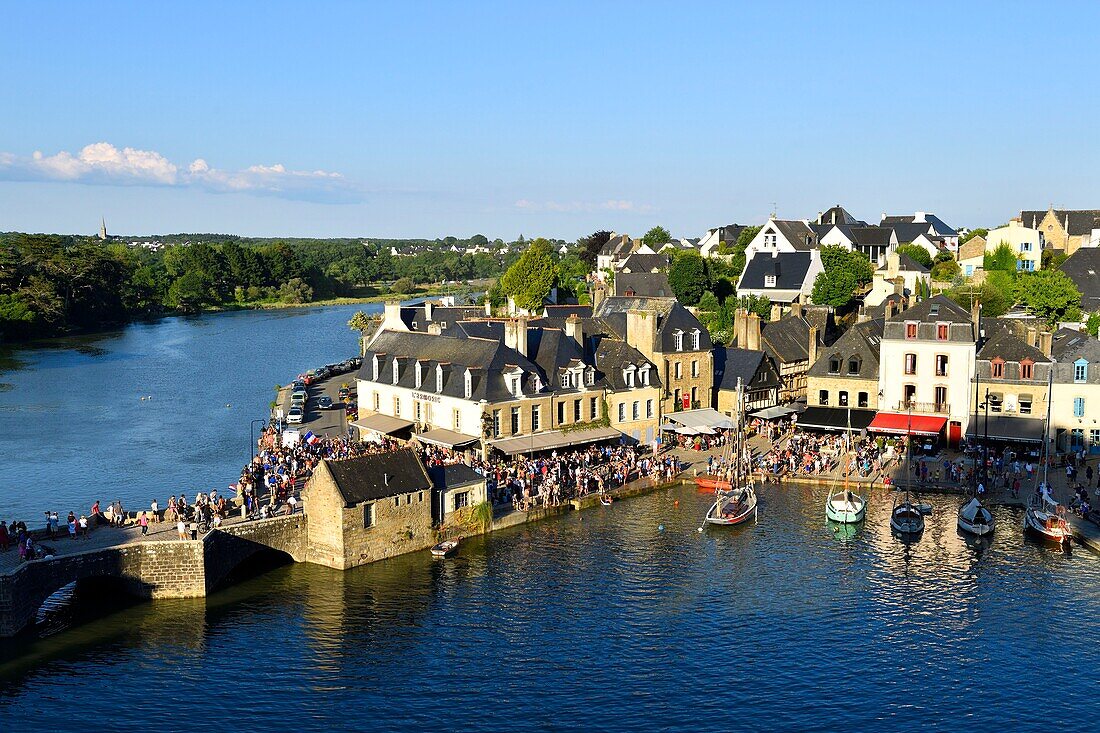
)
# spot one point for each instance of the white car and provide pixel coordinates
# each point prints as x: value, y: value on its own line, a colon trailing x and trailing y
x: 296, y: 415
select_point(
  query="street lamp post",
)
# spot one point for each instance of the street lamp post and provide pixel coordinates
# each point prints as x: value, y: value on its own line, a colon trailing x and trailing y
x: 252, y: 437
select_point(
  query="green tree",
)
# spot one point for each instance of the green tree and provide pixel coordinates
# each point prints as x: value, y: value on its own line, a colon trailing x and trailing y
x: 916, y: 252
x: 945, y: 269
x: 1052, y: 259
x: 974, y: 233
x: 844, y: 272
x: 589, y: 247
x: 295, y: 290
x: 761, y: 306
x: 687, y: 276
x: 530, y: 279
x: 656, y: 236
x: 190, y: 291
x: 403, y: 285
x: 1001, y: 258
x: 1092, y: 325
x: 1049, y: 295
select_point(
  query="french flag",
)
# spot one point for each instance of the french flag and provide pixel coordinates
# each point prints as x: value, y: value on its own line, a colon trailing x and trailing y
x: 310, y: 438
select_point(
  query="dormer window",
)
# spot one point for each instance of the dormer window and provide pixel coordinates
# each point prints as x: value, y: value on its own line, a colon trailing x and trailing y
x: 628, y: 376
x: 1027, y: 369
x: 911, y: 330
x: 854, y: 364
x: 515, y: 383
x: 695, y: 340
x: 1081, y: 370
x: 538, y: 383
x: 565, y: 380
x: 376, y: 363
x: 942, y: 330
x: 769, y: 281
x: 644, y: 374
x: 439, y: 379
x: 468, y: 386
x: 834, y: 364
x: 997, y: 368
x: 589, y: 376
x: 678, y: 340
x: 396, y: 371
x: 419, y: 379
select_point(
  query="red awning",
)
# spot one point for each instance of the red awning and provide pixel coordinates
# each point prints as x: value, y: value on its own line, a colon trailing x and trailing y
x: 902, y: 423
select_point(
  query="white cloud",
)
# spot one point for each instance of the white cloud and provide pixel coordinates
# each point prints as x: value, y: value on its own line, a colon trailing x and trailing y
x: 104, y: 164
x: 574, y: 207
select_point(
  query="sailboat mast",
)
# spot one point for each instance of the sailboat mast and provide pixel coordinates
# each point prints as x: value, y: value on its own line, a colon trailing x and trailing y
x: 1044, y: 454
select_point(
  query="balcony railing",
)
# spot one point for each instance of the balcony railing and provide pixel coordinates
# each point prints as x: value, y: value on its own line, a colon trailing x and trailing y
x: 924, y: 408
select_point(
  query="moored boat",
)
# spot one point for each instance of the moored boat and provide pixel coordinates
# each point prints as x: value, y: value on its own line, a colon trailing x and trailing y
x: 445, y: 548
x: 976, y: 519
x: 733, y: 507
x: 845, y: 507
x: 711, y: 483
x: 1045, y: 519
x: 906, y: 518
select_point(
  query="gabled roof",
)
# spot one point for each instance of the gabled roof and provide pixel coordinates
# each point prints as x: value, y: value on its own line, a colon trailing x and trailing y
x: 795, y: 231
x: 788, y: 339
x: 645, y: 263
x: 1006, y: 345
x: 672, y: 317
x: 647, y: 284
x: 613, y: 355
x: 619, y: 245
x: 871, y: 236
x: 1069, y: 345
x: 790, y: 270
x: 937, y: 309
x: 454, y: 476
x: 973, y: 247
x: 1080, y: 221
x: 378, y: 476
x: 908, y: 264
x: 863, y: 340
x: 1083, y: 268
x: 839, y: 215
x: 731, y: 363
x: 931, y: 223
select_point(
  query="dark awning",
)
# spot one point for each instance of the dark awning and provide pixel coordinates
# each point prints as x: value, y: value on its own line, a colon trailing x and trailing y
x: 902, y: 423
x: 1008, y: 428
x: 553, y: 440
x: 445, y: 438
x: 834, y: 418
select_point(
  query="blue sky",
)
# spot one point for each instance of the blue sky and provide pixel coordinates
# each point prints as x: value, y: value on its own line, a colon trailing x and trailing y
x: 556, y: 119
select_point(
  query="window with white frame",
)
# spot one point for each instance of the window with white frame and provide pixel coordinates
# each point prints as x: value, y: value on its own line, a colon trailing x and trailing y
x: 468, y: 384
x: 396, y: 371
x: 439, y: 379
x: 377, y: 363
x: 695, y: 340
x: 678, y: 340
x: 644, y: 372
x: 565, y: 380
x: 589, y: 376
x: 419, y: 378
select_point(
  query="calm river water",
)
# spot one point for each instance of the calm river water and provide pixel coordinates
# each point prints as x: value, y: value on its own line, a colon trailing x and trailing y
x: 598, y: 620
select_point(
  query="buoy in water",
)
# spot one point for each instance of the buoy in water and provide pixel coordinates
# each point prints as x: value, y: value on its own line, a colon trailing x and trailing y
x: 660, y: 528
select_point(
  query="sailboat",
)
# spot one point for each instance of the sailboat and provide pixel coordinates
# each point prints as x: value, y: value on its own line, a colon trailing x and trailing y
x: 907, y: 517
x: 1045, y: 518
x: 846, y: 507
x: 734, y: 503
x: 974, y: 517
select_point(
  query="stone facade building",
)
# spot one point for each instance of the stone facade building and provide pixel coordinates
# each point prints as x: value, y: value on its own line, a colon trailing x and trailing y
x: 368, y: 508
x: 1063, y: 229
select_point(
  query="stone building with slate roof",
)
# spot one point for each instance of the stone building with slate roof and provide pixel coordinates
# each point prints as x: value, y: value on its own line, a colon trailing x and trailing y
x: 1064, y: 229
x: 368, y: 508
x: 760, y: 382
x: 846, y: 374
x: 669, y: 336
x: 793, y: 345
x: 1010, y: 379
x: 782, y: 277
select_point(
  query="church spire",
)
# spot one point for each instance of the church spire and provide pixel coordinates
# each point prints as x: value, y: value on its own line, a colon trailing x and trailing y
x: 102, y: 228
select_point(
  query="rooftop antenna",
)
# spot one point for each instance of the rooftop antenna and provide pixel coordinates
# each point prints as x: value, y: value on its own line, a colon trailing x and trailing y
x: 773, y: 209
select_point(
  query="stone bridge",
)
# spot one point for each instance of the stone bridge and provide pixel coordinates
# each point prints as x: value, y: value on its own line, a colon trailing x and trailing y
x: 149, y: 569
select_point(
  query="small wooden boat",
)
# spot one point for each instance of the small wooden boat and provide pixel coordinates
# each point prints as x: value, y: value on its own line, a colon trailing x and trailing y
x: 445, y: 548
x: 711, y: 483
x: 733, y: 507
x: 976, y: 519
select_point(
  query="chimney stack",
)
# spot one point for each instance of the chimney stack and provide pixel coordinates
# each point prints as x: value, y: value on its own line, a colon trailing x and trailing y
x: 899, y: 285
x: 1033, y: 337
x: 515, y: 334
x: 1046, y: 342
x: 599, y: 292
x: 641, y: 332
x: 796, y: 308
x: 391, y: 318
x: 752, y: 331
x: 813, y: 344
x: 428, y: 311
x: 434, y: 329
x: 777, y: 312
x: 488, y: 308
x: 574, y: 328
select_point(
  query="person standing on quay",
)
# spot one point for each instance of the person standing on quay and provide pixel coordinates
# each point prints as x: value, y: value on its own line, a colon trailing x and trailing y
x: 84, y: 525
x: 182, y: 529
x: 143, y: 522
x: 154, y: 508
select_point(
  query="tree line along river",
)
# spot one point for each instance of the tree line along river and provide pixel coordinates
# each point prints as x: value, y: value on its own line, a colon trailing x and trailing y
x: 597, y: 620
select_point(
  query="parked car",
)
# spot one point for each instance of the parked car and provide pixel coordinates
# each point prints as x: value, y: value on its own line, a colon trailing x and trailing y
x: 298, y: 397
x: 296, y: 415
x: 325, y: 402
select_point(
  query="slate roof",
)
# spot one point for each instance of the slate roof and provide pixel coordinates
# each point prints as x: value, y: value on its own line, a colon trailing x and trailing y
x: 378, y: 476
x: 1008, y: 346
x: 731, y: 363
x: 937, y: 309
x: 1081, y: 221
x: 839, y: 215
x: 618, y: 246
x: 1083, y: 268
x: 907, y: 231
x: 795, y: 231
x: 871, y: 236
x: 1070, y: 345
x: 645, y: 263
x: 864, y: 341
x: 415, y: 318
x: 648, y: 284
x: 613, y: 355
x: 907, y: 263
x: 564, y: 311
x: 789, y: 268
x: 931, y: 223
x: 454, y: 477
x: 788, y: 339
x: 672, y: 317
x: 728, y: 233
